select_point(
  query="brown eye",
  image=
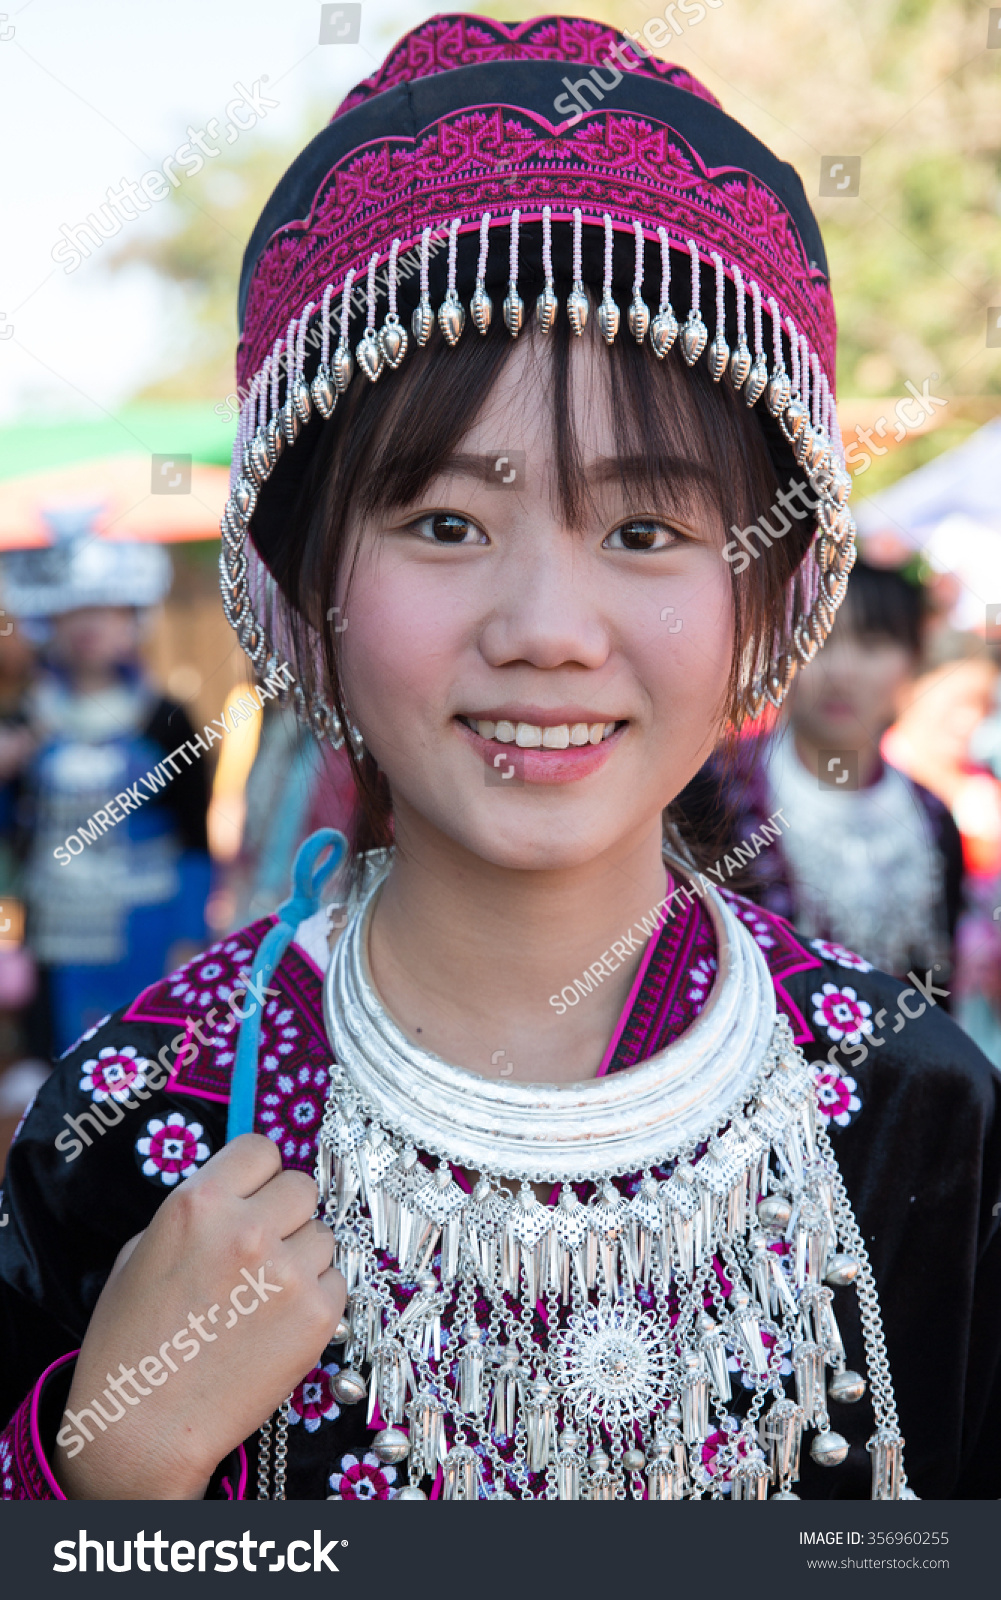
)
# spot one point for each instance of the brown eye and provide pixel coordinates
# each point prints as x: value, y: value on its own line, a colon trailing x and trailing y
x: 639, y: 535
x: 447, y: 527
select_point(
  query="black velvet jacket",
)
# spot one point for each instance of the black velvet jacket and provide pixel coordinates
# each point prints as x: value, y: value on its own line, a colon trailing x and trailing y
x: 914, y: 1121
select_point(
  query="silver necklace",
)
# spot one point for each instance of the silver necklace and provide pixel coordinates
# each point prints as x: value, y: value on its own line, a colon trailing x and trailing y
x: 590, y: 1349
x: 599, y: 1128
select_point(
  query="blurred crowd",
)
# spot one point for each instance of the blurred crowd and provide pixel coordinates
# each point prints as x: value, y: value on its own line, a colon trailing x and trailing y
x: 122, y: 854
x: 886, y: 766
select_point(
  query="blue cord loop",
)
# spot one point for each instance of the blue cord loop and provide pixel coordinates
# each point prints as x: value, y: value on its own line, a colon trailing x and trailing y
x: 308, y: 879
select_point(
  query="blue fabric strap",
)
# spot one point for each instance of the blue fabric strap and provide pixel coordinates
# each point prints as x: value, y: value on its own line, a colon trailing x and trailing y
x: 308, y: 880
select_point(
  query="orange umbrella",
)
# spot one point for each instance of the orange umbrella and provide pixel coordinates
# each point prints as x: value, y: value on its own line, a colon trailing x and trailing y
x: 160, y: 501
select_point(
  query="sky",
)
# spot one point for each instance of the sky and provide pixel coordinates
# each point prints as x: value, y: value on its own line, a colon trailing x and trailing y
x: 94, y: 92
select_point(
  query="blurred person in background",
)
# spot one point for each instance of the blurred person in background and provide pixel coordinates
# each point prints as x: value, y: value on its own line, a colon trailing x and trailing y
x: 19, y: 1077
x: 868, y: 857
x: 948, y: 739
x: 105, y: 918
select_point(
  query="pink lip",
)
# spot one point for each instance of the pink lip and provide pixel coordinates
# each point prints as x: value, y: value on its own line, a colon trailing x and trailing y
x: 538, y: 765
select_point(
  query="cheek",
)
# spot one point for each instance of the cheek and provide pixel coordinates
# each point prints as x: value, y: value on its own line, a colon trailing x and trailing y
x: 688, y: 651
x: 397, y: 652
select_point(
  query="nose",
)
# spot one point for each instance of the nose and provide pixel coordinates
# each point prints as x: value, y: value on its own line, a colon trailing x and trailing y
x: 546, y: 606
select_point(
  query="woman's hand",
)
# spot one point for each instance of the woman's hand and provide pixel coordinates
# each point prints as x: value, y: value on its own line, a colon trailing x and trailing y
x: 208, y: 1320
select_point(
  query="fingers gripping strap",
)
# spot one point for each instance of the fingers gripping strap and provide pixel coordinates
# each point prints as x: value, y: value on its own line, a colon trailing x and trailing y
x: 308, y: 879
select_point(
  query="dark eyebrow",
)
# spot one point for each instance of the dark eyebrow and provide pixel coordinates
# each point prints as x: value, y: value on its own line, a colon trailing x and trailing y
x: 643, y: 469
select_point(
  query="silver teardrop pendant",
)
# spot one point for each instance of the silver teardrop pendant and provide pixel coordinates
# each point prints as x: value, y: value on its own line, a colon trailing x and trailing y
x: 368, y: 354
x: 778, y: 392
x: 451, y: 317
x: 323, y: 392
x: 577, y: 309
x: 245, y: 496
x: 638, y: 318
x: 719, y: 355
x: 806, y: 646
x: 260, y: 457
x: 290, y: 421
x: 514, y: 312
x: 608, y: 319
x: 663, y: 332
x: 757, y: 381
x: 393, y: 340
x: 740, y: 365
x: 301, y: 400
x: 343, y: 368
x: 808, y: 448
x: 694, y: 337
x: 422, y: 321
x: 481, y: 309
x: 546, y: 307
x: 275, y: 439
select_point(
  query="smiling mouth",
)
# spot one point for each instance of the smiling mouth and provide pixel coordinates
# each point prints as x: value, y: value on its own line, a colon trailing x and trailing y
x: 534, y: 736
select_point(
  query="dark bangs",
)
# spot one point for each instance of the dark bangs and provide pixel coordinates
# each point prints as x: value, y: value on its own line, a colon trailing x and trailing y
x: 884, y: 604
x: 678, y: 435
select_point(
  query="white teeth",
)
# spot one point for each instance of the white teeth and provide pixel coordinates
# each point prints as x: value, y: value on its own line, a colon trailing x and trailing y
x: 531, y: 736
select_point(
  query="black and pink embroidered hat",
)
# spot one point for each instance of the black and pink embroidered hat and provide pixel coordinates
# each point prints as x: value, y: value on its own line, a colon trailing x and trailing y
x: 508, y: 171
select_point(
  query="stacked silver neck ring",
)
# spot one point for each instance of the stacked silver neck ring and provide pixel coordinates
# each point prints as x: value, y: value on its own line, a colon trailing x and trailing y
x: 666, y: 1329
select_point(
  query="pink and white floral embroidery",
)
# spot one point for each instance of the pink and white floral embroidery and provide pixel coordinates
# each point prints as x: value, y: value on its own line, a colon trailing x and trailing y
x: 6, y: 1470
x: 113, y: 1073
x: 367, y: 1479
x: 291, y: 1108
x: 837, y: 1096
x: 197, y: 984
x: 754, y: 918
x: 173, y: 1149
x: 701, y: 978
x: 313, y: 1399
x: 839, y: 954
x: 842, y: 1013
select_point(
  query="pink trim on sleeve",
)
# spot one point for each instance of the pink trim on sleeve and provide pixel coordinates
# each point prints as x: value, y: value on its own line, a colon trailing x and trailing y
x: 241, y: 1487
x: 25, y: 1473
x: 36, y: 1442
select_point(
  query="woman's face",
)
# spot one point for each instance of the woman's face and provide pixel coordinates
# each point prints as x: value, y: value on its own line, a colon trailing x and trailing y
x: 96, y: 637
x: 536, y: 693
x: 852, y: 692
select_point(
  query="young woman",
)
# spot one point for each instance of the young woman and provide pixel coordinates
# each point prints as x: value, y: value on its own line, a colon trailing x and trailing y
x: 582, y: 1229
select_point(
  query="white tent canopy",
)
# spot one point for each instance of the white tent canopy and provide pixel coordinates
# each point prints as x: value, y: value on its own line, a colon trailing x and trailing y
x: 966, y: 480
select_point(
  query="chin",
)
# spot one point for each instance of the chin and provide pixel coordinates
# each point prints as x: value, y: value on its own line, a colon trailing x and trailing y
x: 522, y: 838
x: 534, y: 853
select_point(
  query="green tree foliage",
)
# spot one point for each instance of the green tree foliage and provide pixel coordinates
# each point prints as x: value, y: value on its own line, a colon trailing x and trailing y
x: 911, y: 87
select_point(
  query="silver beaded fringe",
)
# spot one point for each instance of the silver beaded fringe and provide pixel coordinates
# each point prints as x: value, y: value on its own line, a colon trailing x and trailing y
x: 801, y: 401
